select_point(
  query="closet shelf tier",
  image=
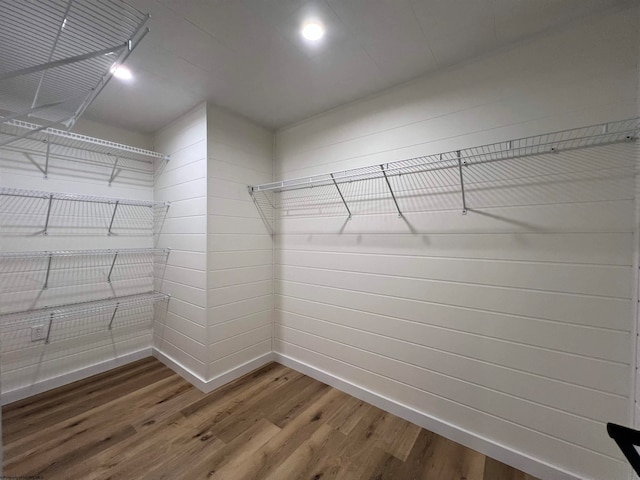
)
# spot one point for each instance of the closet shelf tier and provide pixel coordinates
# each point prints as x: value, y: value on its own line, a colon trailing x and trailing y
x: 14, y: 132
x: 72, y: 197
x: 58, y: 55
x: 86, y: 307
x: 80, y: 253
x: 583, y: 137
x: 458, y: 180
x: 19, y: 320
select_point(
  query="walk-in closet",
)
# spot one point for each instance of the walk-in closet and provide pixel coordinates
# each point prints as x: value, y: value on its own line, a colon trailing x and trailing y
x: 313, y: 239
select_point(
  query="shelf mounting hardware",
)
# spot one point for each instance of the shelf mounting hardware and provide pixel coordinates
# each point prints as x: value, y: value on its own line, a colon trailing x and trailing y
x: 113, y: 316
x: 30, y: 132
x: 341, y: 196
x: 53, y: 49
x: 393, y: 196
x: 113, y: 171
x: 46, y: 280
x: 46, y: 223
x: 113, y: 264
x: 31, y: 110
x: 64, y: 61
x: 115, y: 209
x: 51, y: 315
x: 464, y: 201
x: 46, y: 161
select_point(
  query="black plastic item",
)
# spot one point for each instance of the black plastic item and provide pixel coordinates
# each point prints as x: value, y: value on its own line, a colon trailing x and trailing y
x: 626, y: 438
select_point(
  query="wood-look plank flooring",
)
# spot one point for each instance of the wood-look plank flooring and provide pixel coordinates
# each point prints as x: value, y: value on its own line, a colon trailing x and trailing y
x: 142, y: 421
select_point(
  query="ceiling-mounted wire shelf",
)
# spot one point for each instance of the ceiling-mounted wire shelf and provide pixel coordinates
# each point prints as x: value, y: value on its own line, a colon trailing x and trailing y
x: 48, y: 317
x: 37, y: 271
x: 38, y: 212
x: 49, y: 147
x: 446, y: 179
x: 57, y: 56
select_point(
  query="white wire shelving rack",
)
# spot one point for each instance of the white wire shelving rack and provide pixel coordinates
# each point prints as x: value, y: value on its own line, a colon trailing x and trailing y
x: 397, y: 184
x: 57, y: 56
x: 18, y: 137
x: 33, y: 271
x: 109, y: 309
x: 40, y: 211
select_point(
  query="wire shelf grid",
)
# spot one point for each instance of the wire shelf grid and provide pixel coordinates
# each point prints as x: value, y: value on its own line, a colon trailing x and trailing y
x: 80, y: 319
x: 30, y: 212
x: 56, y: 56
x: 452, y: 180
x: 36, y: 271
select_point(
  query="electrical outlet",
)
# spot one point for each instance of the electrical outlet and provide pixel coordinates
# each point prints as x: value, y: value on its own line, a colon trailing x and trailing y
x: 37, y: 333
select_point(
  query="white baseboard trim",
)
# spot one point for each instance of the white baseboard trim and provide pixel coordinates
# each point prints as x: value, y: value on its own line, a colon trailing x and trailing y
x: 192, y: 377
x: 48, y: 384
x: 207, y: 386
x: 239, y: 371
x: 471, y: 440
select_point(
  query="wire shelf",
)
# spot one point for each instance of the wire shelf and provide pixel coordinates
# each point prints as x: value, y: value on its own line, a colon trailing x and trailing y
x: 458, y: 179
x: 31, y: 212
x: 72, y: 197
x: 57, y: 56
x: 108, y: 312
x: 56, y: 150
x: 31, y: 272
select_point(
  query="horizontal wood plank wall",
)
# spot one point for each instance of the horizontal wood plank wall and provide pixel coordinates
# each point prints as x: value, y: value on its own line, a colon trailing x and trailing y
x: 240, y: 249
x: 80, y: 344
x: 512, y: 322
x: 181, y: 332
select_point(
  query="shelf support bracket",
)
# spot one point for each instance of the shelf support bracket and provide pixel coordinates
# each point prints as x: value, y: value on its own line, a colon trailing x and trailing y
x: 28, y: 112
x: 64, y: 61
x: 393, y: 196
x: 46, y: 161
x: 113, y: 316
x: 464, y: 201
x: 53, y: 49
x: 341, y: 196
x: 113, y: 216
x: 115, y: 257
x: 113, y: 171
x: 46, y: 280
x: 46, y: 340
x: 46, y: 223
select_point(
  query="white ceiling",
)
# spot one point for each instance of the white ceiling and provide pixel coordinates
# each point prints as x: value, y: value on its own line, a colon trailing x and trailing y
x: 248, y: 55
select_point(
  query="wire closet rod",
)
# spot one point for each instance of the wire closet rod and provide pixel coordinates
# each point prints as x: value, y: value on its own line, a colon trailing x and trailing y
x: 83, y: 141
x: 84, y: 253
x: 563, y: 140
x: 16, y: 192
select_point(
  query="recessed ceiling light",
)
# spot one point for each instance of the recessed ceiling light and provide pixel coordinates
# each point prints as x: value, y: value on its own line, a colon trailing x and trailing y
x: 121, y: 72
x: 313, y: 31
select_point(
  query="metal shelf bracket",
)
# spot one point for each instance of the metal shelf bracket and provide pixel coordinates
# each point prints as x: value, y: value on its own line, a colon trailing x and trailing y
x: 46, y: 340
x: 464, y: 201
x: 115, y: 209
x: 46, y: 280
x: 113, y: 264
x: 341, y: 196
x: 46, y: 223
x: 113, y: 171
x: 46, y: 161
x: 393, y: 196
x: 113, y: 316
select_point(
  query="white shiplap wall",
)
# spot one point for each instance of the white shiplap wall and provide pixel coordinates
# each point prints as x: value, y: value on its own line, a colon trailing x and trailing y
x: 83, y: 346
x: 240, y: 249
x: 511, y: 323
x: 181, y: 334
